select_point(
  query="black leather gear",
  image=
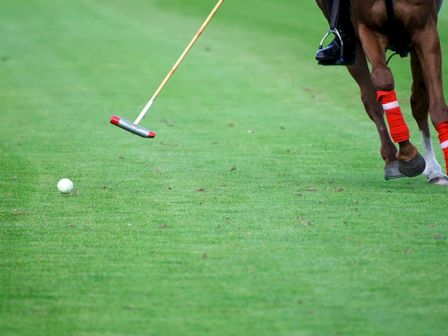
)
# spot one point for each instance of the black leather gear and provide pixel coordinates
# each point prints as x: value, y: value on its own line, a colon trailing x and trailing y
x: 338, y: 15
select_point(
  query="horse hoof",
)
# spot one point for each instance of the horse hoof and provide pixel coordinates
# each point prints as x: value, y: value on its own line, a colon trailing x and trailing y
x: 439, y: 180
x: 391, y: 171
x: 412, y: 168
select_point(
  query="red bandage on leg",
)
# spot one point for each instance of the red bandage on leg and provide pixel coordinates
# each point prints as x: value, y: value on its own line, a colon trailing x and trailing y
x: 399, y: 131
x: 442, y: 128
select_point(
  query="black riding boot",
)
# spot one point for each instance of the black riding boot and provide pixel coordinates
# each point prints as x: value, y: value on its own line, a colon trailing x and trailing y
x: 333, y: 53
x: 341, y: 51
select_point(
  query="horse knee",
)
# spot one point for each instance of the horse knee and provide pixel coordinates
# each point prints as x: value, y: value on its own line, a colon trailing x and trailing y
x: 382, y: 79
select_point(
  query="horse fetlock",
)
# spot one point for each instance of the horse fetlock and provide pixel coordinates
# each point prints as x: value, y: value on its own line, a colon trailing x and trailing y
x: 433, y: 169
x: 407, y: 151
x: 391, y: 170
x: 388, y: 153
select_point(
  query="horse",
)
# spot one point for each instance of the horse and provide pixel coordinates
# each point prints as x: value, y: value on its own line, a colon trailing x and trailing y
x: 407, y: 27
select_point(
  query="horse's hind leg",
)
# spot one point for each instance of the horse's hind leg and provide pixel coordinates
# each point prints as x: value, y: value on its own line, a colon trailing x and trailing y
x: 427, y: 47
x: 420, y: 106
x: 360, y: 73
x: 411, y: 163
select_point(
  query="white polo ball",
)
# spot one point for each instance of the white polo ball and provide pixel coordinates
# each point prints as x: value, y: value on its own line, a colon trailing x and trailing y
x: 65, y: 186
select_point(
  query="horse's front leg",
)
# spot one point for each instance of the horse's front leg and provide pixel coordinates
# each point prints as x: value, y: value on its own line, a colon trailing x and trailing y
x: 420, y: 107
x: 411, y: 163
x: 360, y: 73
x: 427, y: 47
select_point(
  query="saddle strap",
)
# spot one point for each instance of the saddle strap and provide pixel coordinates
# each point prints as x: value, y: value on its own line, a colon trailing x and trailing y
x: 334, y: 20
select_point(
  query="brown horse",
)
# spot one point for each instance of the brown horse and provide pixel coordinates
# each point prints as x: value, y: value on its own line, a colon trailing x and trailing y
x: 404, y: 26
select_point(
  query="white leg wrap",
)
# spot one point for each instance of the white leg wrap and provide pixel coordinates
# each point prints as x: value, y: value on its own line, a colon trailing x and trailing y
x: 433, y: 168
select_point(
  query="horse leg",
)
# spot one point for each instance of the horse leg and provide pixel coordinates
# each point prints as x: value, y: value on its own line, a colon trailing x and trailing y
x: 420, y: 106
x: 360, y: 73
x: 427, y: 47
x: 411, y: 163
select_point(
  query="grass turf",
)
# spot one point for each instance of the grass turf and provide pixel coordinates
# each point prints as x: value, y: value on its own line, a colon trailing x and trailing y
x: 259, y: 209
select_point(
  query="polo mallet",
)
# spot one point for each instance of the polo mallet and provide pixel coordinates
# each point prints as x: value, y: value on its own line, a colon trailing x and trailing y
x: 134, y: 127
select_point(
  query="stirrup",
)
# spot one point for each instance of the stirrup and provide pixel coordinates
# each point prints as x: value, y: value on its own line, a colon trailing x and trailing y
x: 337, y: 34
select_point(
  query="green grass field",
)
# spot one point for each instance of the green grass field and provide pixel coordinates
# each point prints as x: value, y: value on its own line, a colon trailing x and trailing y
x: 259, y: 209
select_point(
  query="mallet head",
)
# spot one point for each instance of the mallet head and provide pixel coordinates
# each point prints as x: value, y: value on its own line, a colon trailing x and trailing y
x: 131, y: 127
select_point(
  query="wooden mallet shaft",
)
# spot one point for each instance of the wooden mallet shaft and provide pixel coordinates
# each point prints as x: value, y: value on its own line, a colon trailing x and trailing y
x: 178, y: 62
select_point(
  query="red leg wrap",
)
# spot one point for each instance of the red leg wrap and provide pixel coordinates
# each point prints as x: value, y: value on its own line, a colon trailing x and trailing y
x: 442, y: 128
x: 397, y: 126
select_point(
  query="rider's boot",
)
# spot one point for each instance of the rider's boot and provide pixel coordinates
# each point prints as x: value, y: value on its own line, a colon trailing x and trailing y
x: 341, y: 51
x: 333, y: 54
